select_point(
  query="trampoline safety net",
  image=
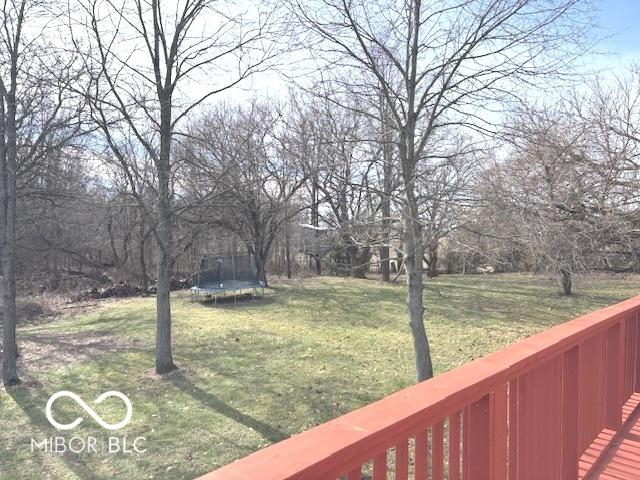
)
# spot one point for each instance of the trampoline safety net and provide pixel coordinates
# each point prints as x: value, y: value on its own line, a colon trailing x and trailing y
x: 229, y: 271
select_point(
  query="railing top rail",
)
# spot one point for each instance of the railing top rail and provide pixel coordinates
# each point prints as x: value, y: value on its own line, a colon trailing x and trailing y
x: 355, y: 437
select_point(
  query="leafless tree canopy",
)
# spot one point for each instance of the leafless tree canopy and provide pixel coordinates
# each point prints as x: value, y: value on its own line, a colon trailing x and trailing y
x: 406, y: 138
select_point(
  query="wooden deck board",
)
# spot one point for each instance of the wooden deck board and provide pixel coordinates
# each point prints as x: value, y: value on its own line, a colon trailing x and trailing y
x: 621, y: 459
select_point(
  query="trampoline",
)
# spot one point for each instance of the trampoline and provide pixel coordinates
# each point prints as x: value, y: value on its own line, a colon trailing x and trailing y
x: 228, y: 273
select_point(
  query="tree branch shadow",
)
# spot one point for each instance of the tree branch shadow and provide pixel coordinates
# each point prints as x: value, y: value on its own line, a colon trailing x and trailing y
x: 32, y: 402
x: 210, y: 400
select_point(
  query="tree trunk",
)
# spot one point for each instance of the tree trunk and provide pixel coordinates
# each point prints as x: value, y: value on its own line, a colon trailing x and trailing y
x: 262, y: 273
x: 413, y: 268
x: 358, y: 260
x: 352, y: 252
x: 261, y: 255
x: 413, y: 265
x: 10, y: 350
x: 288, y: 259
x: 432, y: 261
x: 315, y: 221
x: 566, y: 281
x: 141, y: 258
x: 164, y: 357
x: 56, y: 271
x: 387, y: 186
x: 386, y: 221
x: 54, y: 262
x: 287, y: 247
x: 8, y: 177
x: 384, y: 264
x: 365, y: 260
x: 414, y: 242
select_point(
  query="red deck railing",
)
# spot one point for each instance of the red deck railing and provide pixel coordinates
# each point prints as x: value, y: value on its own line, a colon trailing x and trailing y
x: 526, y: 412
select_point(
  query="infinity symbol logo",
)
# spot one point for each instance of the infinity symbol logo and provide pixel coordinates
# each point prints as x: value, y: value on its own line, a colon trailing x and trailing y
x: 89, y: 410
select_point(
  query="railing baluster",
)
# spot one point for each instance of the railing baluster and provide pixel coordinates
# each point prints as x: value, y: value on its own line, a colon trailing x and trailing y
x: 590, y: 389
x: 539, y: 421
x: 631, y: 338
x: 614, y: 361
x: 355, y: 474
x: 380, y: 466
x: 436, y: 451
x: 628, y: 333
x: 421, y: 455
x: 402, y: 460
x: 513, y: 429
x: 498, y: 440
x: 476, y: 446
x: 636, y: 363
x: 454, y: 446
x: 569, y: 452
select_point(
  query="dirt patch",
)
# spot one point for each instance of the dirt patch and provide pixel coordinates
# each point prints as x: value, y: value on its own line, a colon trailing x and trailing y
x: 52, y: 350
x: 40, y: 351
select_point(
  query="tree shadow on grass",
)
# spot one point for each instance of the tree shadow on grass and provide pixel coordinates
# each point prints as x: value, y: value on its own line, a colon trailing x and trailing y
x: 209, y: 400
x: 32, y: 402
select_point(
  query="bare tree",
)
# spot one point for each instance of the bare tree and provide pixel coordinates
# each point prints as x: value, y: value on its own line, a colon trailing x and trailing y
x: 144, y: 56
x: 37, y: 118
x: 388, y: 183
x: 544, y: 185
x: 442, y: 188
x: 438, y: 64
x: 14, y: 16
x: 566, y: 196
x: 348, y: 185
x: 250, y: 152
x: 344, y: 165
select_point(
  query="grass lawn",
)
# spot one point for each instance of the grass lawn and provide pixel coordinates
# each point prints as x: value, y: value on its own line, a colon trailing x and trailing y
x: 257, y: 372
